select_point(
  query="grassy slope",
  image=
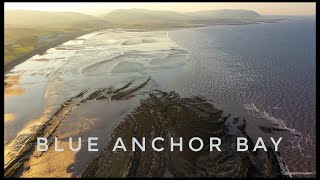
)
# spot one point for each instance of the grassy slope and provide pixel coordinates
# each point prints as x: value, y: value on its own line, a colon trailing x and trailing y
x: 23, y: 29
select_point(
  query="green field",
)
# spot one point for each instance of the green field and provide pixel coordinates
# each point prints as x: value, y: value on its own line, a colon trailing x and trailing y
x: 27, y: 30
x: 22, y: 39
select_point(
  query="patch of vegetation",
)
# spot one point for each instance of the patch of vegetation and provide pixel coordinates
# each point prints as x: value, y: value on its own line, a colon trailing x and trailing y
x: 27, y: 30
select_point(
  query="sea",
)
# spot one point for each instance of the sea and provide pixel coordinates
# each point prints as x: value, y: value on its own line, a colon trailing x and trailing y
x: 259, y: 72
x: 263, y: 74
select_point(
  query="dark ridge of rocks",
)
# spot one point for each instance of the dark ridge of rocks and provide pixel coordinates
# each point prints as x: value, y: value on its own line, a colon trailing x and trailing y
x: 167, y: 115
x: 46, y: 130
x: 272, y: 129
x: 163, y: 114
x: 49, y: 127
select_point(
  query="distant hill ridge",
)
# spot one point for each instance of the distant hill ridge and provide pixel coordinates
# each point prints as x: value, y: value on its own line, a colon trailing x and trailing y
x: 27, y: 30
x: 226, y: 13
x: 43, y: 18
x: 145, y: 15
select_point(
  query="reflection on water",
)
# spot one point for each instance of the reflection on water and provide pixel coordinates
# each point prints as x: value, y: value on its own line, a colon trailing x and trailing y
x: 61, y: 86
x: 8, y: 117
x: 11, y: 85
x: 85, y: 86
x: 262, y: 72
x: 87, y: 120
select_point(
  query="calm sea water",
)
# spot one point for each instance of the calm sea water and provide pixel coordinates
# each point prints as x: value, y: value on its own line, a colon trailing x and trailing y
x: 262, y: 72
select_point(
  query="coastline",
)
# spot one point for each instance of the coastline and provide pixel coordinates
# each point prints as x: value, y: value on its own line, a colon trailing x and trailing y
x: 81, y: 33
x: 40, y: 50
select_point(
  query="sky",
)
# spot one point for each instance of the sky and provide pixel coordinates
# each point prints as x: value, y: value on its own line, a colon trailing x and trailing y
x: 297, y: 9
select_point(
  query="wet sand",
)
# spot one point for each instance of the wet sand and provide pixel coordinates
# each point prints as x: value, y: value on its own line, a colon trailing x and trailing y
x: 40, y: 50
x: 112, y: 83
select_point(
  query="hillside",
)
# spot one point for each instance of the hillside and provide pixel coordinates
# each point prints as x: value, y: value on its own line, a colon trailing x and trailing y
x: 25, y: 30
x: 152, y: 16
x: 50, y: 19
x: 224, y: 14
x: 142, y: 15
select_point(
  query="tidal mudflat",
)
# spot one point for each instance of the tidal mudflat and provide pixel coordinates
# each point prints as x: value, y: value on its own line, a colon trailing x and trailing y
x: 80, y: 88
x: 118, y: 83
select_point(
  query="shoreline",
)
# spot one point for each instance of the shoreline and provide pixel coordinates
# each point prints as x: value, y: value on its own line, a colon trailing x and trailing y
x: 40, y: 50
x: 123, y: 28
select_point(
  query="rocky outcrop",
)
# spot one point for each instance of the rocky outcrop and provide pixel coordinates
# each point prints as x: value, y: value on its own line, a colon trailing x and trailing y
x: 166, y: 115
